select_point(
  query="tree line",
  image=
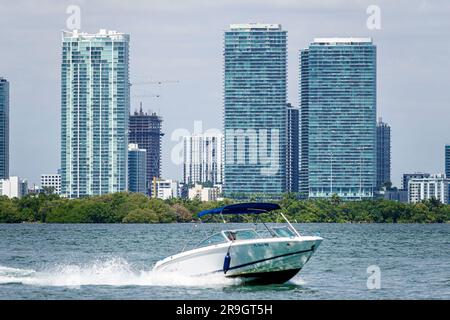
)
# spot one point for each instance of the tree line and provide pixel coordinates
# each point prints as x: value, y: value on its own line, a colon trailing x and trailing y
x: 124, y: 207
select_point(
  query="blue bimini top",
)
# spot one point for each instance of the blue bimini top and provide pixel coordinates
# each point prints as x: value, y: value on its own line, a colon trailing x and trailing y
x: 242, y: 208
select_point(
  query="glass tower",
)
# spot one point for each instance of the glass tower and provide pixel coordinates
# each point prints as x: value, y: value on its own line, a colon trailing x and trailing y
x: 338, y: 118
x: 383, y: 153
x: 95, y: 104
x: 145, y: 130
x: 4, y: 128
x: 255, y: 110
x: 137, y: 169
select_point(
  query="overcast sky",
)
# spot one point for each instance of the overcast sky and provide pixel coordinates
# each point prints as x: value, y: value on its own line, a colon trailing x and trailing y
x: 183, y: 40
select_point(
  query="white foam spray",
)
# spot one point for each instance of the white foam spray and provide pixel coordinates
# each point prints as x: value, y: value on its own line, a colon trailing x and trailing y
x: 112, y: 272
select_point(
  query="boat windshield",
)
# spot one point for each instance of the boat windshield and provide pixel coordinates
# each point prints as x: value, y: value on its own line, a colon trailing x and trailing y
x: 243, y: 234
x: 214, y: 239
x: 283, y: 232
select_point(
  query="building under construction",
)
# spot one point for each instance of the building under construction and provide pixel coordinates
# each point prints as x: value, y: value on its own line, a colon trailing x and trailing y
x: 145, y: 131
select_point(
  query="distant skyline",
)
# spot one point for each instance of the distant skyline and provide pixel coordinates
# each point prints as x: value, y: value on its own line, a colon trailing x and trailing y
x: 183, y: 41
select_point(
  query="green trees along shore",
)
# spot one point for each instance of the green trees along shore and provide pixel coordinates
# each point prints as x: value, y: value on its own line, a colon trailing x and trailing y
x: 126, y: 207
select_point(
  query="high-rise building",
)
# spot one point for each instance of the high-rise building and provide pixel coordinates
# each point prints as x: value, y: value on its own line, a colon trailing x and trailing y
x: 383, y: 153
x: 434, y: 186
x: 338, y: 118
x: 137, y: 169
x: 51, y: 183
x: 255, y: 110
x: 166, y: 189
x: 447, y: 160
x: 145, y: 131
x: 203, y: 159
x: 4, y: 128
x: 293, y: 149
x: 95, y: 103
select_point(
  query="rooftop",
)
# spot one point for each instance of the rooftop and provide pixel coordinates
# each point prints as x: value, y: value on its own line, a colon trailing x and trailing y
x: 342, y: 40
x: 255, y: 26
x: 103, y: 33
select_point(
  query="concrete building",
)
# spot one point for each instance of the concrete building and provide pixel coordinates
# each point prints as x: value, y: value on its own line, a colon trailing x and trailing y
x: 205, y: 193
x: 434, y: 186
x: 203, y: 159
x: 51, y: 181
x: 95, y: 104
x: 145, y: 130
x: 166, y: 189
x: 13, y: 187
x: 409, y: 176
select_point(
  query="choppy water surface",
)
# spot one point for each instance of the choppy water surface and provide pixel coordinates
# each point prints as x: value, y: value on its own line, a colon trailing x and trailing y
x: 84, y: 261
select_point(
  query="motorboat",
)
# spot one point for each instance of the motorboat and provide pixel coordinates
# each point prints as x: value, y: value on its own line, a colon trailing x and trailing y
x: 272, y: 255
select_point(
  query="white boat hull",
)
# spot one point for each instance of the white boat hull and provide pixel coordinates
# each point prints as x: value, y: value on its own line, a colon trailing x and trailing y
x: 272, y: 260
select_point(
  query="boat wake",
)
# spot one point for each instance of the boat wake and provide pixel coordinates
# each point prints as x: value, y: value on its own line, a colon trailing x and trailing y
x: 112, y: 272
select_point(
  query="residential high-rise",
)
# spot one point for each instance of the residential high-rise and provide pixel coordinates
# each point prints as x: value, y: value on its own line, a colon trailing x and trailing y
x: 338, y: 118
x: 4, y: 128
x: 447, y: 161
x: 293, y: 149
x: 95, y: 103
x: 137, y: 169
x: 145, y: 131
x: 255, y: 72
x: 203, y: 159
x: 383, y: 154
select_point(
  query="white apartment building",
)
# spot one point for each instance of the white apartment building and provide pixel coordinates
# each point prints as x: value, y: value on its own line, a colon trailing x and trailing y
x: 166, y: 189
x: 51, y: 181
x: 203, y: 158
x: 205, y: 194
x: 434, y: 186
x: 14, y: 187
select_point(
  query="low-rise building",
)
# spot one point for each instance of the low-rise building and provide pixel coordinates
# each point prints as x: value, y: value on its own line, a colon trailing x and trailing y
x: 166, y: 189
x: 51, y: 183
x: 205, y: 193
x: 434, y: 186
x: 14, y: 187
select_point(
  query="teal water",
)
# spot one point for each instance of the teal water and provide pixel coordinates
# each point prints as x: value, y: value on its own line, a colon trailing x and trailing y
x: 84, y: 261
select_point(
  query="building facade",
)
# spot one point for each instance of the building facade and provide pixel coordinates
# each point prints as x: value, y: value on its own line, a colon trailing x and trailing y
x: 137, y: 169
x: 383, y: 154
x: 409, y: 176
x: 434, y: 186
x: 166, y: 189
x: 145, y: 131
x: 95, y: 102
x: 13, y: 187
x: 203, y: 159
x: 447, y: 160
x: 204, y: 193
x: 255, y: 110
x: 4, y: 128
x: 338, y: 118
x: 51, y: 183
x: 293, y: 149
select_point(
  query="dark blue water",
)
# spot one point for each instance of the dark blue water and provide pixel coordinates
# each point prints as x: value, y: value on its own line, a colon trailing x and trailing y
x: 115, y: 262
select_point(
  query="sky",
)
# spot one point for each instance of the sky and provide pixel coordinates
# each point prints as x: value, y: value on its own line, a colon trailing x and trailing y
x: 182, y: 41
